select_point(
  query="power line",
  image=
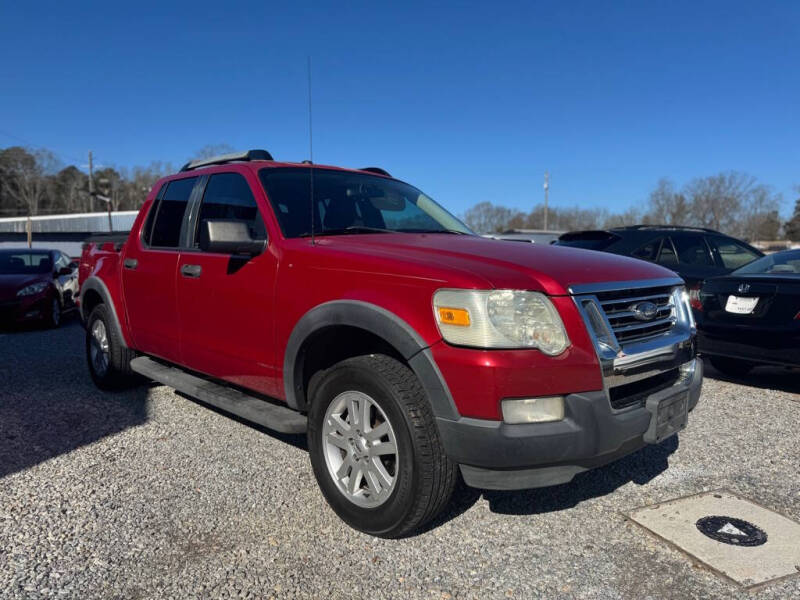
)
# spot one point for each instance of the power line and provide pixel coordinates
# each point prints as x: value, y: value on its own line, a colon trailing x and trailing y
x: 65, y: 157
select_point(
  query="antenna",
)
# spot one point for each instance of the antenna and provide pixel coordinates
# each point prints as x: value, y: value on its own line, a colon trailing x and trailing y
x: 310, y: 153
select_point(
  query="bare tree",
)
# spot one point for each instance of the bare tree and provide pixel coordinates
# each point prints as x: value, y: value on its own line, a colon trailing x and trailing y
x: 667, y: 207
x: 23, y: 176
x: 210, y: 150
x: 486, y: 217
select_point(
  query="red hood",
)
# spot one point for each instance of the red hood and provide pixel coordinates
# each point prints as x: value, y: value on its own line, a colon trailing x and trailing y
x: 501, y: 263
x: 10, y: 284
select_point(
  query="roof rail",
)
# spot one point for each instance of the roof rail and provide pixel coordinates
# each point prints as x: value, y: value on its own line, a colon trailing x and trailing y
x: 226, y: 158
x: 654, y: 226
x: 377, y: 170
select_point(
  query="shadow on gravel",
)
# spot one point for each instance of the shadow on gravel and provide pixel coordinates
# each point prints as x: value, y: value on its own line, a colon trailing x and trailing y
x: 48, y: 404
x: 765, y: 378
x: 639, y: 467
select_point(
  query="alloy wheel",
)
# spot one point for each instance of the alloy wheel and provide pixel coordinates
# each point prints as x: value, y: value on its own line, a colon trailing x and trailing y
x: 98, y: 348
x: 360, y: 449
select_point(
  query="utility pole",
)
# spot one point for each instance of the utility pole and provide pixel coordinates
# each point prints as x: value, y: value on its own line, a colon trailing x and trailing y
x: 91, y: 177
x: 94, y: 194
x: 546, y: 190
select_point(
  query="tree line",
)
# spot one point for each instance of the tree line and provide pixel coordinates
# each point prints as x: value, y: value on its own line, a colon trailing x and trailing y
x: 35, y: 182
x: 732, y: 202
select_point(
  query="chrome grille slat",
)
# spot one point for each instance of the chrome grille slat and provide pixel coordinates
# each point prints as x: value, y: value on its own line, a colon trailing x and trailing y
x: 643, y: 325
x: 629, y: 313
x: 634, y: 299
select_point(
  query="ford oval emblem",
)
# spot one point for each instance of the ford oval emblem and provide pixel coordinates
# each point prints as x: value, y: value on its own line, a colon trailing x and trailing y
x: 644, y: 311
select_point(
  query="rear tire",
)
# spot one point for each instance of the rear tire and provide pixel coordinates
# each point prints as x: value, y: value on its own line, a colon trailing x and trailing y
x: 390, y: 444
x: 108, y: 358
x: 735, y: 367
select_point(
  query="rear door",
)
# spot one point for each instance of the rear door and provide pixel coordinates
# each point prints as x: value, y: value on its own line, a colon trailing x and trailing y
x: 226, y: 302
x: 695, y: 261
x: 149, y: 270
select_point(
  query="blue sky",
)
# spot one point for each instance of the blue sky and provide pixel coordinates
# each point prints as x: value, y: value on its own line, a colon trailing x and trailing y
x: 468, y: 101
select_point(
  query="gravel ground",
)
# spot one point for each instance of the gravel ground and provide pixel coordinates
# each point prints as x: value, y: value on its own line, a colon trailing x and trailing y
x: 148, y: 494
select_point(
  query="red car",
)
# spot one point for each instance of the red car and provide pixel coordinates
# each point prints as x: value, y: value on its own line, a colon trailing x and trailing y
x: 349, y: 305
x: 36, y: 285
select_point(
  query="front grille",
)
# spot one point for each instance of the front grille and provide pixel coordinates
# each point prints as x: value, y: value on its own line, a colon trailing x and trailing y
x: 628, y: 394
x: 618, y: 307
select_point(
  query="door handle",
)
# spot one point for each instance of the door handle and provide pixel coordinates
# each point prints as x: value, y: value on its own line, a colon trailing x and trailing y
x: 130, y: 263
x: 191, y: 270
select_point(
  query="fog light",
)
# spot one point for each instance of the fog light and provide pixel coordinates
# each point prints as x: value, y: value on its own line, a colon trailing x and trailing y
x: 533, y: 410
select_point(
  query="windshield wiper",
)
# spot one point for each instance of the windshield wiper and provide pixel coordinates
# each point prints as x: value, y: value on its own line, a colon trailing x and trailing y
x: 350, y: 229
x: 450, y: 231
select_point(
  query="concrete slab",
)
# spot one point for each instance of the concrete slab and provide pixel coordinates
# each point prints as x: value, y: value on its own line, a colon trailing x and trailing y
x: 745, y: 542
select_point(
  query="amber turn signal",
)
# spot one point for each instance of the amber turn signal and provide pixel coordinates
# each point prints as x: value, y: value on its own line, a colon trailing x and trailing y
x: 453, y: 316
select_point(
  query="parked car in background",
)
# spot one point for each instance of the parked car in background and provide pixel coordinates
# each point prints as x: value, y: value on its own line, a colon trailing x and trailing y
x: 36, y: 285
x: 752, y: 316
x: 693, y: 253
x: 349, y: 305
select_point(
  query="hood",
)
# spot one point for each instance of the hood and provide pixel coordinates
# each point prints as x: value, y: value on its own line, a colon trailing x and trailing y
x: 10, y: 284
x: 502, y: 263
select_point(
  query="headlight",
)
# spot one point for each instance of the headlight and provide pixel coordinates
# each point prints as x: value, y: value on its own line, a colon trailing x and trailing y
x: 499, y: 319
x: 32, y: 289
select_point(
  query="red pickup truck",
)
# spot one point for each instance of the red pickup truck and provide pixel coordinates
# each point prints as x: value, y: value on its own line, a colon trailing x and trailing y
x: 349, y: 305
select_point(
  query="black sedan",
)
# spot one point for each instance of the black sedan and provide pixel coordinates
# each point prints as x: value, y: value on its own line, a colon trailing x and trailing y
x: 752, y: 316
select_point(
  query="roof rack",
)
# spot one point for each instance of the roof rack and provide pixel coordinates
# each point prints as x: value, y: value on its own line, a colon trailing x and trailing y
x: 377, y: 170
x: 226, y: 158
x: 688, y: 227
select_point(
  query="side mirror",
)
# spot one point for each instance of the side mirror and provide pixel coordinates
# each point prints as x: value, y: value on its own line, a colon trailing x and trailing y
x: 64, y: 271
x: 73, y: 265
x: 229, y: 237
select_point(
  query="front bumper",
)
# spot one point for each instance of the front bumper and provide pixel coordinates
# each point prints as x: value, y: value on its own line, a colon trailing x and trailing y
x: 26, y: 308
x: 497, y: 455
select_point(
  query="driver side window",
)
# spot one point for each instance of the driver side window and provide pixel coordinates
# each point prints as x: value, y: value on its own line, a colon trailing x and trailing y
x: 228, y: 197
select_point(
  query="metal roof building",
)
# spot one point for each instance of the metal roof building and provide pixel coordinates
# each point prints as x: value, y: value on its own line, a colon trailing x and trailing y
x: 62, y: 232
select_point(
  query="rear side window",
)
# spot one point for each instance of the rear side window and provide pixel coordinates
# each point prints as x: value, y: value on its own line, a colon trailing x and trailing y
x: 228, y: 196
x: 169, y: 215
x: 692, y: 250
x: 649, y: 251
x: 147, y: 229
x: 734, y: 254
x: 667, y: 256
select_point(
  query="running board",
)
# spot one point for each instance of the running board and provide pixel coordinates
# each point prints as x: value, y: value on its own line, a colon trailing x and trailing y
x: 251, y: 408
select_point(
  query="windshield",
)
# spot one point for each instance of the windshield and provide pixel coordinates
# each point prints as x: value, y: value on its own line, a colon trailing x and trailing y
x: 780, y: 263
x: 346, y: 202
x: 24, y: 263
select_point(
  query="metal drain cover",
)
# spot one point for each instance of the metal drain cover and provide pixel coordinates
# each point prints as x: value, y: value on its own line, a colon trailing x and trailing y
x: 735, y: 537
x: 729, y: 530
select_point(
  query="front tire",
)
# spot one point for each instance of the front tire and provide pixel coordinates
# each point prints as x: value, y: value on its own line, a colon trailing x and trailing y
x: 735, y: 367
x: 107, y: 357
x: 54, y: 314
x: 375, y: 447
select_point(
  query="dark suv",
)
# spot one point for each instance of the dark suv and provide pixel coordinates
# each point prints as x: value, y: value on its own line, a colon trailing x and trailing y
x: 694, y: 253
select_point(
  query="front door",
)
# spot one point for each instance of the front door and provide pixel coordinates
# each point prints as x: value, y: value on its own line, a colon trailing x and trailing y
x: 225, y: 302
x: 149, y: 271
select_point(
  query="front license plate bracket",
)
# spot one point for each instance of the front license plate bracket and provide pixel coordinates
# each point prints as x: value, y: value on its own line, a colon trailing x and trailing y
x: 667, y: 417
